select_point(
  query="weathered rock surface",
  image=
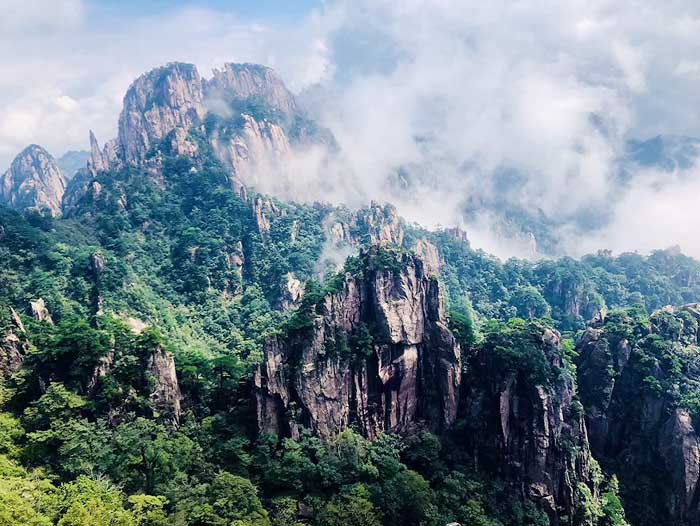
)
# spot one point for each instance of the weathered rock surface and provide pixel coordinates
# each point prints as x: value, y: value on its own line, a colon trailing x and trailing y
x: 157, y: 102
x: 430, y: 255
x: 255, y: 149
x: 292, y: 292
x: 640, y: 429
x: 381, y: 223
x: 250, y: 81
x: 524, y: 427
x: 39, y: 310
x: 13, y: 346
x: 335, y: 372
x: 244, y: 113
x: 33, y: 182
x: 166, y: 394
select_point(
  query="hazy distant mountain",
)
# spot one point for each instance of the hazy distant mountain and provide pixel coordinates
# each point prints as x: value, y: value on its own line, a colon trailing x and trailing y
x: 72, y: 161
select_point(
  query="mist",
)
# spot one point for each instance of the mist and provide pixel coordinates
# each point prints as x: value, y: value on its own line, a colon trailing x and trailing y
x: 433, y: 105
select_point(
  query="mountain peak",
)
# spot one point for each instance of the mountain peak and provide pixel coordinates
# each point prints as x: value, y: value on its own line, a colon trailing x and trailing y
x: 157, y: 102
x: 33, y: 181
x: 246, y: 81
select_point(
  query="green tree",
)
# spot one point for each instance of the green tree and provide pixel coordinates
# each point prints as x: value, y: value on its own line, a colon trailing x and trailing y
x: 88, y: 502
x: 235, y: 498
x: 148, y: 510
x: 350, y: 509
x: 407, y: 500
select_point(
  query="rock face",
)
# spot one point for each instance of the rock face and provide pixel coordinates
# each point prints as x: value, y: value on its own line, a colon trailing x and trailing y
x: 251, y: 81
x: 39, y: 310
x: 244, y: 113
x: 377, y: 355
x: 13, y: 347
x: 333, y: 371
x: 637, y: 381
x: 252, y: 150
x: 524, y: 427
x: 33, y: 182
x: 572, y: 298
x: 166, y: 395
x: 104, y: 159
x: 156, y: 103
x: 382, y: 224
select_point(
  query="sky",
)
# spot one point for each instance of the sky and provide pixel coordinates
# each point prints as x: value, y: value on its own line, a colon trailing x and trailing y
x: 452, y: 91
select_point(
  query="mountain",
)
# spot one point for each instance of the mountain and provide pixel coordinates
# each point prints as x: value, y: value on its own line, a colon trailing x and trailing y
x: 639, y: 383
x: 178, y: 348
x: 34, y: 181
x: 72, y: 161
x: 244, y: 112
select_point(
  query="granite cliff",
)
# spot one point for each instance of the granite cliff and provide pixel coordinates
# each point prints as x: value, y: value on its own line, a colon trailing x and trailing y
x: 376, y: 353
x: 33, y: 182
x: 638, y: 381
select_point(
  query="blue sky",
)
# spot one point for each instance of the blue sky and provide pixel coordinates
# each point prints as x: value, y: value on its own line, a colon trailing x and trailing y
x: 253, y: 9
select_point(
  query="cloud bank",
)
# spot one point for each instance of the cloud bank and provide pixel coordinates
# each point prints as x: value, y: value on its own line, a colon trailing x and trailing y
x: 434, y: 104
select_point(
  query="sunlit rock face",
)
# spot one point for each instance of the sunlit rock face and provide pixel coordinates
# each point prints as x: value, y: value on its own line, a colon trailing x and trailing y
x: 158, y: 102
x: 377, y: 354
x: 244, y: 112
x: 34, y: 182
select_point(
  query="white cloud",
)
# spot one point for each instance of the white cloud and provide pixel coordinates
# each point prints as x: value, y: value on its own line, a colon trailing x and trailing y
x: 452, y: 91
x: 656, y: 213
x: 688, y: 68
x: 22, y: 16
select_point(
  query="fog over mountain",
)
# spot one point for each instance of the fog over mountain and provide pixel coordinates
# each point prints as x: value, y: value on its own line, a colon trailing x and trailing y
x: 490, y: 115
x: 256, y: 263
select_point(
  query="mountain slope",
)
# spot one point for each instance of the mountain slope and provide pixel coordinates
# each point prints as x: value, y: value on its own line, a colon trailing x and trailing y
x: 222, y: 355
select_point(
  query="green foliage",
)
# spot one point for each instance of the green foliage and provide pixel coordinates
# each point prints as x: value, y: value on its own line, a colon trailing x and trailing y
x: 183, y: 254
x: 517, y: 346
x: 353, y: 508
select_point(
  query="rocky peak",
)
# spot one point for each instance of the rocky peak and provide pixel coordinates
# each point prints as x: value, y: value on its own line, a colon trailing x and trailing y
x: 524, y: 425
x: 102, y: 160
x: 376, y: 353
x: 33, y: 182
x: 156, y: 103
x: 251, y: 81
x: 637, y: 379
x: 382, y: 224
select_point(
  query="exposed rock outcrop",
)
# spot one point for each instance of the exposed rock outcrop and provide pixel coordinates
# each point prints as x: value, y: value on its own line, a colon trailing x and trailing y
x: 335, y: 371
x: 244, y: 113
x: 253, y: 150
x: 382, y: 224
x: 292, y: 292
x: 33, y: 182
x: 263, y: 209
x: 13, y: 346
x: 250, y: 82
x: 522, y: 421
x: 637, y: 382
x: 158, y: 102
x: 430, y: 255
x: 166, y: 394
x: 39, y: 310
